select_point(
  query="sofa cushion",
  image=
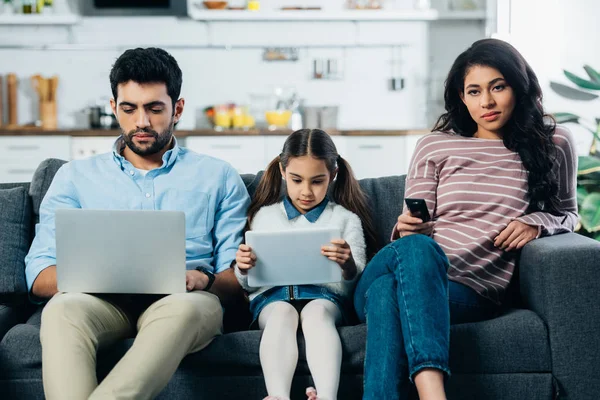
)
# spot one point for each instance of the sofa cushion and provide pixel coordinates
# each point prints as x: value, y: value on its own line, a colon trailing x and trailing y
x: 15, y: 220
x: 42, y: 178
x: 516, y: 342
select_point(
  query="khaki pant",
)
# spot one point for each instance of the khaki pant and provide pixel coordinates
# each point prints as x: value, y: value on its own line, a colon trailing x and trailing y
x: 76, y: 325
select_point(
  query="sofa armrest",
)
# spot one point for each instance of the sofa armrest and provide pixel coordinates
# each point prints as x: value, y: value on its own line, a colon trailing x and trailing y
x: 560, y: 281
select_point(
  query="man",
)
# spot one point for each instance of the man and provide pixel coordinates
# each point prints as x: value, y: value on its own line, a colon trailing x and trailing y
x: 147, y: 170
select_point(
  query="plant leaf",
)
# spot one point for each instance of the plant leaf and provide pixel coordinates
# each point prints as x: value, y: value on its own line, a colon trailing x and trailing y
x: 590, y: 212
x: 581, y: 82
x: 572, y: 93
x: 582, y: 193
x: 587, y: 165
x: 564, y: 117
x: 592, y: 73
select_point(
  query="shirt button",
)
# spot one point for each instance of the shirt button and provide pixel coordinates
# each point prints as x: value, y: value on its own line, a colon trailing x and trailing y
x: 147, y: 194
x: 131, y: 173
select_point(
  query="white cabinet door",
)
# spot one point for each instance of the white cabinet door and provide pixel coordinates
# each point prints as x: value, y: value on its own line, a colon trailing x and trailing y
x: 246, y: 154
x: 20, y: 156
x: 273, y: 147
x: 375, y: 156
x: 83, y: 147
x: 411, y: 143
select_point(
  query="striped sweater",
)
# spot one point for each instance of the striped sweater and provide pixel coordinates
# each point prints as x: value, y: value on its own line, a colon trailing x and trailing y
x: 474, y: 188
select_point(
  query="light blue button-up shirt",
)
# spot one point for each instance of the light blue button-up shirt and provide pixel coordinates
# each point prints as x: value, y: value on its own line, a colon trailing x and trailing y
x: 209, y: 191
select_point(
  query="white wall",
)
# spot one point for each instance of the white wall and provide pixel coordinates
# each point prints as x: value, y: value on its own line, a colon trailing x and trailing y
x: 213, y: 75
x: 216, y: 75
x: 554, y: 35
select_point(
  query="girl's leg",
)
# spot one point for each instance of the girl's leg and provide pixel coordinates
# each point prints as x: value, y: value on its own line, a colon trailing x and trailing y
x: 323, y: 346
x: 278, y: 347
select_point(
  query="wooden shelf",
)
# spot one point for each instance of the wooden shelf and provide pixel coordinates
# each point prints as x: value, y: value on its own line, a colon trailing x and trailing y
x: 25, y: 131
x: 463, y: 15
x: 34, y: 19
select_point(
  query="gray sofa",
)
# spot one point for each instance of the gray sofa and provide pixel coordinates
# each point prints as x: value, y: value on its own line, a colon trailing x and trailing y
x: 546, y: 343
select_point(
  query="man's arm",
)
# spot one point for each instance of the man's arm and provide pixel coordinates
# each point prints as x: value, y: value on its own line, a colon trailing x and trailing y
x: 226, y: 287
x: 230, y: 220
x: 40, y: 263
x: 44, y: 285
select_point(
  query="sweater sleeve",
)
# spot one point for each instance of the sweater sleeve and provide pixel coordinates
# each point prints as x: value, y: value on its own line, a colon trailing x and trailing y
x: 549, y: 224
x: 422, y: 177
x: 354, y: 235
x: 260, y: 220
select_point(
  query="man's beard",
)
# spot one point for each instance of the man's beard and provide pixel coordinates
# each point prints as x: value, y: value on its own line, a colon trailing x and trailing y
x: 160, y: 140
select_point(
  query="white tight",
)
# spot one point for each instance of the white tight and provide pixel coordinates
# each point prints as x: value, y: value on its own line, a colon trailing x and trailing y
x: 279, y: 348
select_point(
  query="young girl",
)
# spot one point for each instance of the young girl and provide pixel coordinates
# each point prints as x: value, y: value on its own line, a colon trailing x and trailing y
x: 496, y: 174
x: 309, y: 164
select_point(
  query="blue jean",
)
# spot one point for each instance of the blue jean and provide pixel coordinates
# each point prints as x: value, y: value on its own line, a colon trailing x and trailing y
x: 408, y: 303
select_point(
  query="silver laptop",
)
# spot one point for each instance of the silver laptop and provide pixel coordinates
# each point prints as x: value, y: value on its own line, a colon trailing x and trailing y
x: 292, y: 257
x: 118, y: 251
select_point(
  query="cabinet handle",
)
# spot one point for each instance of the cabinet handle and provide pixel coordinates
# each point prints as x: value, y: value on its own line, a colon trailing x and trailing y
x: 20, y: 171
x: 226, y: 146
x: 370, y: 146
x: 23, y: 147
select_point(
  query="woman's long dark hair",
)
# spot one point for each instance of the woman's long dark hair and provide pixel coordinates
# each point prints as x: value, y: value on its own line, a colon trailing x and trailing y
x: 528, y: 132
x: 346, y: 190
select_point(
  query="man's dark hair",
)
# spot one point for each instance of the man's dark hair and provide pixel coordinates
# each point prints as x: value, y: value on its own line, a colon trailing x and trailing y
x: 151, y: 65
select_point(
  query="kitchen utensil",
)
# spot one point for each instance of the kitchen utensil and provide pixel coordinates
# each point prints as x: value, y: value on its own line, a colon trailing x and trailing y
x: 101, y: 115
x: 215, y: 5
x: 278, y: 119
x: 48, y: 115
x: 321, y: 117
x: 12, y: 84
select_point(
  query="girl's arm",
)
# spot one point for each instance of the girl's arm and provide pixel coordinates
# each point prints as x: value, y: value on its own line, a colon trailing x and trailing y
x: 549, y: 224
x: 353, y: 242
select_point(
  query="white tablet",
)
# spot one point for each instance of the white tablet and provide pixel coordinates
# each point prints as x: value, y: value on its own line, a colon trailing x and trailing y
x: 292, y: 257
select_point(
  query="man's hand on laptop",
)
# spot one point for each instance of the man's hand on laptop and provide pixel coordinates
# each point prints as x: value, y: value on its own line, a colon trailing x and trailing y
x: 245, y: 258
x: 195, y: 280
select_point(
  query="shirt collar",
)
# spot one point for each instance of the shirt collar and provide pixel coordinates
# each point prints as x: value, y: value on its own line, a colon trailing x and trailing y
x: 168, y: 158
x: 312, y: 216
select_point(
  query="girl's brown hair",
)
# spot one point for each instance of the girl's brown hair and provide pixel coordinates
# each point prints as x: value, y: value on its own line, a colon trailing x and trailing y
x: 345, y: 189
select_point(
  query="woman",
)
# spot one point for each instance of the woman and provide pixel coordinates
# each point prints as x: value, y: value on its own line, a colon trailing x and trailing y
x: 495, y: 174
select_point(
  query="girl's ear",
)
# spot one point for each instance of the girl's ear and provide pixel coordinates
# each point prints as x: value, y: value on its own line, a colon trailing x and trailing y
x: 282, y: 171
x: 333, y: 175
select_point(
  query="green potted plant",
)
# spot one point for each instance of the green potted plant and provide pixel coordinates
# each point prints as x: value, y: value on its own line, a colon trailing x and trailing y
x: 588, y: 171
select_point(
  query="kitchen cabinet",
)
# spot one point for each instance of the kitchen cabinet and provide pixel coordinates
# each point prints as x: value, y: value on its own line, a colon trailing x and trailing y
x: 246, y: 154
x: 20, y: 156
x: 369, y: 156
x: 83, y: 147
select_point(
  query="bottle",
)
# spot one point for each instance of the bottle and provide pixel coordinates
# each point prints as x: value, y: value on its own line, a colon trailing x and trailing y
x: 253, y: 5
x: 28, y: 6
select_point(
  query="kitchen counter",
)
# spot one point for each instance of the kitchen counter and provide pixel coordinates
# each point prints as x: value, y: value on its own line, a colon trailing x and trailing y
x: 23, y: 131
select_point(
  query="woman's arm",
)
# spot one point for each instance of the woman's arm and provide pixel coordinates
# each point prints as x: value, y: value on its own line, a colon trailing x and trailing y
x: 422, y: 177
x: 549, y: 224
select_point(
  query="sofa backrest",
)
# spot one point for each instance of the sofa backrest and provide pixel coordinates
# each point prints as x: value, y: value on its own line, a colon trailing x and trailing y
x: 385, y: 195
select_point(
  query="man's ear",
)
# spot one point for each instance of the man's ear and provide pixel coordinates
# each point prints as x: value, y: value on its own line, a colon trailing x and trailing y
x: 113, y: 106
x: 179, y: 104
